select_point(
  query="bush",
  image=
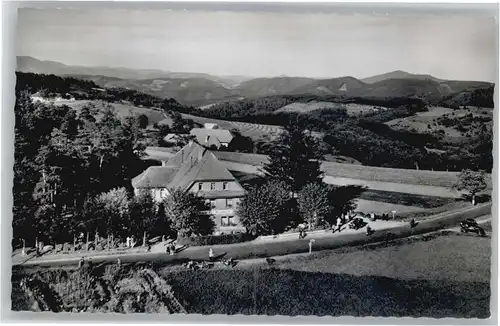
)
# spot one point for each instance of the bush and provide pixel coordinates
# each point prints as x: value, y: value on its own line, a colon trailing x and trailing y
x: 210, y: 240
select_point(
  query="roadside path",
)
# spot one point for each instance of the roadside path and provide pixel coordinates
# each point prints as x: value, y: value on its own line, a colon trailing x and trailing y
x: 278, y: 247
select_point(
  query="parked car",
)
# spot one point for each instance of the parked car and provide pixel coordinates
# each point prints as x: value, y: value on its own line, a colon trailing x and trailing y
x: 470, y: 225
x: 357, y: 223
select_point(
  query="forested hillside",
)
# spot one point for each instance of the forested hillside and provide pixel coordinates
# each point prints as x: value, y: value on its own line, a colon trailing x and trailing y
x: 66, y: 87
x: 366, y: 137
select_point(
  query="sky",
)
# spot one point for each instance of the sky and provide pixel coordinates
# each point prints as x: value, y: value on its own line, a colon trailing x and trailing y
x: 321, y: 45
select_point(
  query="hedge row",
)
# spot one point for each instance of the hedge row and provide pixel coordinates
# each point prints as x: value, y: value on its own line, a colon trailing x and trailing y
x: 215, y: 239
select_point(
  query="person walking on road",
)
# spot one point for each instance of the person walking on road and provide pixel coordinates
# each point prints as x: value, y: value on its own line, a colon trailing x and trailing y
x: 210, y: 254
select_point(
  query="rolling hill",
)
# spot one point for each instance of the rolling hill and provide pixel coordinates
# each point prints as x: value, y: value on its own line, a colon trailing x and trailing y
x: 398, y: 74
x: 204, y: 89
x: 344, y: 86
x: 188, y: 91
x: 260, y: 87
x: 30, y: 64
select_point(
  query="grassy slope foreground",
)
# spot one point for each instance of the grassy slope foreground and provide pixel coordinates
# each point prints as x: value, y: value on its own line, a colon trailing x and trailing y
x: 447, y: 276
x: 432, y: 276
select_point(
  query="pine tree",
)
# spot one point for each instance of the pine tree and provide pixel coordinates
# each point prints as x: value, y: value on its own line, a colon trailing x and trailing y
x: 294, y: 158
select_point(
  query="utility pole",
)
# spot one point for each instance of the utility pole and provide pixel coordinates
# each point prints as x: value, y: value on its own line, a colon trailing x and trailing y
x: 23, y: 252
x: 310, y: 245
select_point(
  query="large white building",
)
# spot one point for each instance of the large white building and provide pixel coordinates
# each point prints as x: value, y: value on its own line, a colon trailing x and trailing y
x: 196, y: 169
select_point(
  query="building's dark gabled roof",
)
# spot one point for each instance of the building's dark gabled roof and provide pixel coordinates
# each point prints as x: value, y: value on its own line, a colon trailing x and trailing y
x: 154, y: 177
x: 206, y: 169
x: 192, y: 163
x: 187, y: 155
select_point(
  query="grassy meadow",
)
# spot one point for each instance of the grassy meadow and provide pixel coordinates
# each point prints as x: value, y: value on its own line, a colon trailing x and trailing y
x: 428, y: 277
x: 446, y: 274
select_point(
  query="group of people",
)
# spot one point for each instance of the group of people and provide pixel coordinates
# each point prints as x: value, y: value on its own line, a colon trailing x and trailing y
x: 170, y: 248
x: 81, y: 263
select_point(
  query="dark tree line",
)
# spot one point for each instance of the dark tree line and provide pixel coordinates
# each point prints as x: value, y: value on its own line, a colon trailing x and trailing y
x: 63, y: 158
x: 73, y: 172
x: 292, y: 191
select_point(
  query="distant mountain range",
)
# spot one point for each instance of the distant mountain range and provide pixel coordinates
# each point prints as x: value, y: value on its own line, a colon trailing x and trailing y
x: 399, y: 74
x: 30, y: 64
x: 201, y: 89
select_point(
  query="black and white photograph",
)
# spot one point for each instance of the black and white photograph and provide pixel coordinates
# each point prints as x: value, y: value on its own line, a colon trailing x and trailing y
x: 253, y: 159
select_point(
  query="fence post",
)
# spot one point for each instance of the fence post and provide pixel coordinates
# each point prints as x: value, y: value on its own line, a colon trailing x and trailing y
x: 23, y: 253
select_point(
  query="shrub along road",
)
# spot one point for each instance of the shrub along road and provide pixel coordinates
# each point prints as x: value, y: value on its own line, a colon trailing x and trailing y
x: 276, y: 248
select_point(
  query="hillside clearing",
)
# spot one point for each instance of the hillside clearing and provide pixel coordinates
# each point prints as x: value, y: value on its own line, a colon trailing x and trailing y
x: 428, y: 122
x: 122, y: 110
x: 351, y: 108
x: 252, y: 130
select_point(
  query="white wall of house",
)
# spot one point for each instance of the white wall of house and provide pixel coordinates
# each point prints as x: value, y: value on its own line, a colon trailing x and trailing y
x: 223, y: 210
x: 158, y: 194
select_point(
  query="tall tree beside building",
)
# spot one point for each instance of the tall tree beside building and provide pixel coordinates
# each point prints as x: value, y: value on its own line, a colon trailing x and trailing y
x: 266, y: 209
x: 187, y: 214
x: 294, y: 157
x: 314, y: 203
x: 342, y: 200
x: 116, y: 206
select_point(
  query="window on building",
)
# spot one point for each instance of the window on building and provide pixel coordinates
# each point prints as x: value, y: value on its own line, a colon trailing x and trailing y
x: 224, y: 186
x: 212, y: 186
x: 230, y: 221
x: 212, y: 203
x: 229, y: 203
x: 200, y: 186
